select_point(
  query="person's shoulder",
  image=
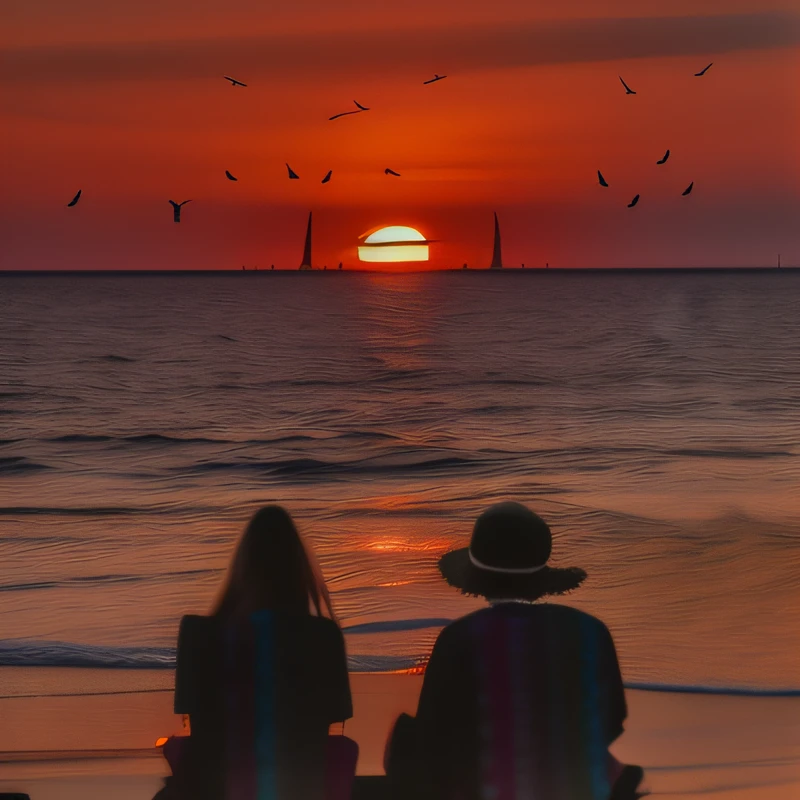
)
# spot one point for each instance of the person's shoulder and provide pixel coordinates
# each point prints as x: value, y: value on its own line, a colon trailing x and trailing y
x: 196, y: 625
x: 322, y: 628
x: 574, y: 616
x: 563, y: 614
x: 567, y: 613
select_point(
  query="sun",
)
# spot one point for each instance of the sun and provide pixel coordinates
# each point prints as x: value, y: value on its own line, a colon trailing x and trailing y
x: 394, y: 243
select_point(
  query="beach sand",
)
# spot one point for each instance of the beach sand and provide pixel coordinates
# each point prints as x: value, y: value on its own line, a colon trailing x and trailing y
x: 693, y: 746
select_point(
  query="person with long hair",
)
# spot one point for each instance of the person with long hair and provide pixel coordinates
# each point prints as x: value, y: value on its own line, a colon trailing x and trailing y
x: 262, y: 678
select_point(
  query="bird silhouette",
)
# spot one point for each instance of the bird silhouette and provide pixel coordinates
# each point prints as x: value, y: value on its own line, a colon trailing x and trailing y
x: 229, y: 176
x: 75, y: 199
x: 601, y: 178
x: 358, y: 110
x: 233, y: 81
x: 664, y: 160
x: 388, y: 171
x: 633, y: 202
x: 703, y: 71
x: 434, y: 79
x: 328, y: 176
x: 628, y: 89
x: 292, y: 174
x: 176, y: 209
x: 687, y: 190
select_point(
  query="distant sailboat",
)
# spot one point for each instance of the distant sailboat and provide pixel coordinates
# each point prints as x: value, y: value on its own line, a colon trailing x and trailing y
x: 497, y: 258
x: 305, y: 264
x: 779, y: 260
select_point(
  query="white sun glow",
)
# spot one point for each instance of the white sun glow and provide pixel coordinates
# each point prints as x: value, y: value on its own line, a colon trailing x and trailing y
x: 393, y: 243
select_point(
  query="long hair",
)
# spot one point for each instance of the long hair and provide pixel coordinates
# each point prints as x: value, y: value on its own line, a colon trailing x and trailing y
x: 273, y: 569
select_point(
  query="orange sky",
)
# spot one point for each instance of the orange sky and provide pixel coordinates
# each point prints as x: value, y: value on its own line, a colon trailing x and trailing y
x: 126, y: 101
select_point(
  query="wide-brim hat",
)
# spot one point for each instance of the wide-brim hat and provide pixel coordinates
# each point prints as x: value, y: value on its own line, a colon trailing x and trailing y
x: 507, y: 557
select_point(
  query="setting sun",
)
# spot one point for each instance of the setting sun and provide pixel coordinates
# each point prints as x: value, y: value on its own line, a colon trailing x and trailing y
x: 394, y: 243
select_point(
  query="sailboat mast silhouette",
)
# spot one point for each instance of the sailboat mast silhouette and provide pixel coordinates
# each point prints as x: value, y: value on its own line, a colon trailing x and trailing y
x: 306, y: 262
x: 497, y: 258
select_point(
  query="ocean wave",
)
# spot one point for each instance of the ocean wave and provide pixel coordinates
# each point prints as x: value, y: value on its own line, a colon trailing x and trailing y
x: 396, y: 625
x: 102, y: 511
x: 162, y: 438
x: 299, y: 467
x: 33, y: 653
x: 19, y: 464
x: 100, y: 580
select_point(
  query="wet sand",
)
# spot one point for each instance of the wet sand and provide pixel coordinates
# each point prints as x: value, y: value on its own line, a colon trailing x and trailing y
x: 693, y: 746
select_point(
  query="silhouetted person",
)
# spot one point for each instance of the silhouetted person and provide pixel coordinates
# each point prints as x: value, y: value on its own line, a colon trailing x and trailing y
x: 272, y: 266
x: 521, y: 700
x: 262, y: 678
x: 340, y: 265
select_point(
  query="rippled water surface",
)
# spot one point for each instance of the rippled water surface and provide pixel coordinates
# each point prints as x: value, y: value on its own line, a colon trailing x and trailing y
x: 653, y: 419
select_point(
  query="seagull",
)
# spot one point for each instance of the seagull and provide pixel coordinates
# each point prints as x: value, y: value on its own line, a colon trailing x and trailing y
x: 628, y: 89
x: 292, y: 174
x: 176, y: 209
x: 75, y: 199
x: 346, y: 113
x: 434, y: 79
x: 233, y: 81
x: 687, y: 190
x: 702, y: 71
x: 328, y: 176
x: 229, y: 176
x: 601, y: 178
x: 633, y: 202
x: 664, y: 160
x: 388, y: 171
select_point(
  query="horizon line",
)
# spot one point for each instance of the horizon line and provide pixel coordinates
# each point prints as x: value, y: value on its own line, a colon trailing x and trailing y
x: 290, y: 270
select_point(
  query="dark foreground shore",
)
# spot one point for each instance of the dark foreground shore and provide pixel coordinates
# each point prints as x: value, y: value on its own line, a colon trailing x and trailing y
x: 693, y: 746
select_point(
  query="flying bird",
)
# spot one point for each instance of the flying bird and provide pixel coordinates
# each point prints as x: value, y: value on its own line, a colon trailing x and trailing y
x: 233, y: 81
x: 328, y: 176
x: 176, y: 209
x: 292, y: 174
x: 628, y: 89
x: 75, y: 199
x: 360, y: 108
x: 702, y: 71
x: 633, y: 202
x: 601, y: 178
x: 687, y: 190
x: 388, y: 171
x: 434, y: 79
x: 664, y: 160
x: 229, y: 176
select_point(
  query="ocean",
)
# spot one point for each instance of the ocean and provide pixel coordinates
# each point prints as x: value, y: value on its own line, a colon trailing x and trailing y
x: 652, y: 418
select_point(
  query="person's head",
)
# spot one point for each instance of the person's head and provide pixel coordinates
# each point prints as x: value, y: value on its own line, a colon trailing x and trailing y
x: 272, y: 569
x: 507, y: 558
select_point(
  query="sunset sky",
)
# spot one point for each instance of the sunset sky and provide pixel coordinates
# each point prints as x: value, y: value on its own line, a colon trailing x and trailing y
x: 126, y: 101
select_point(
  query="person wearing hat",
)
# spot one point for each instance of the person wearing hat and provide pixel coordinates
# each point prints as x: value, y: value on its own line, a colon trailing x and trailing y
x: 520, y: 700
